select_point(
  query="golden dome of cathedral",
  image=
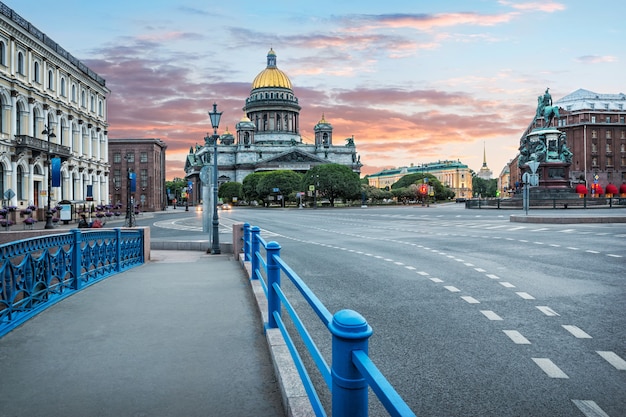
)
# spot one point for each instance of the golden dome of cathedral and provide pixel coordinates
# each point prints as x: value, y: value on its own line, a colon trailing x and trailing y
x: 271, y: 76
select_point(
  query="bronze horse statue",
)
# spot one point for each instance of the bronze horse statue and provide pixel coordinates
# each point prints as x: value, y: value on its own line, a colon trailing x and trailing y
x: 547, y: 112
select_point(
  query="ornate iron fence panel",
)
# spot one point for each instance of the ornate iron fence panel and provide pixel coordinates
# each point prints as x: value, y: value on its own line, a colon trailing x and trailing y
x: 39, y: 272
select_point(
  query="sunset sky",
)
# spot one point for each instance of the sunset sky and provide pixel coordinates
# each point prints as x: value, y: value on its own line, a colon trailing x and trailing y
x: 413, y: 81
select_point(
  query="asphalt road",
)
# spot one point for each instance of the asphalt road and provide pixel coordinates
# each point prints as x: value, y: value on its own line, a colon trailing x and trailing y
x: 472, y: 315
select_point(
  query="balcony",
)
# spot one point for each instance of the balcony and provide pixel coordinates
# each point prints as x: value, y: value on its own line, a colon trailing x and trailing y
x: 29, y: 143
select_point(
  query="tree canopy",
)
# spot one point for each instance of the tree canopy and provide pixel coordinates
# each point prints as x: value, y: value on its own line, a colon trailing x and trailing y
x: 333, y: 181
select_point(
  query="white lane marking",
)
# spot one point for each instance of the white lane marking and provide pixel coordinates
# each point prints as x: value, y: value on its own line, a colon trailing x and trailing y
x: 613, y: 359
x: 538, y: 243
x: 525, y: 295
x: 490, y: 315
x: 613, y: 256
x: 567, y: 231
x: 592, y: 251
x: 479, y: 270
x: 470, y: 300
x: 523, y: 240
x: 507, y: 284
x: 550, y: 368
x: 517, y: 228
x: 437, y: 280
x: 516, y: 337
x: 576, y: 331
x: 555, y: 246
x: 492, y: 276
x: 388, y: 260
x: 423, y: 273
x: 398, y: 263
x: 468, y: 264
x: 547, y: 311
x: 589, y: 408
x: 451, y: 288
x: 412, y: 268
x: 459, y: 260
x: 540, y: 229
x: 572, y: 248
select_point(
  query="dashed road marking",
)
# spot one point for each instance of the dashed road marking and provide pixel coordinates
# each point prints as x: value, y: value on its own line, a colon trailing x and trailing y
x: 525, y: 295
x: 577, y: 332
x: 516, y: 337
x: 437, y: 280
x: 547, y: 311
x: 550, y: 368
x: 590, y: 408
x: 591, y: 251
x: 423, y: 273
x: 451, y: 288
x: 613, y: 256
x: 479, y: 270
x: 490, y: 315
x: 470, y: 300
x: 492, y: 276
x: 613, y: 359
x: 507, y: 284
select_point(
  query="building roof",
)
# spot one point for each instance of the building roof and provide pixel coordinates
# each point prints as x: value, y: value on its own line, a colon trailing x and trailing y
x: 582, y: 99
x: 430, y: 167
x: 271, y: 76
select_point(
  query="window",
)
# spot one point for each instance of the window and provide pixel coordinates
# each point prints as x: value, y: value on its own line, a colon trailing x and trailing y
x: 50, y: 80
x: 594, y: 162
x: 99, y: 107
x: 593, y: 119
x: 608, y: 119
x: 20, y: 183
x: 3, y: 49
x: 608, y: 134
x: 36, y: 72
x: 130, y: 157
x: 143, y: 157
x: 608, y: 147
x: 62, y: 87
x: 20, y: 63
x: 594, y: 147
x: 117, y: 178
x: 83, y: 99
x: 144, y: 178
x: 594, y: 134
x: 73, y: 93
x: 92, y: 105
x: 117, y: 158
x: 1, y: 179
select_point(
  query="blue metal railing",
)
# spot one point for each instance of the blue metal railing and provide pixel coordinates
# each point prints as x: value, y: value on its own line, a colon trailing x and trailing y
x: 352, y: 369
x: 39, y: 272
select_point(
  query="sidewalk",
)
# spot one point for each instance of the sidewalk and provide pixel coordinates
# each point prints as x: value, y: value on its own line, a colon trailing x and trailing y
x: 177, y: 336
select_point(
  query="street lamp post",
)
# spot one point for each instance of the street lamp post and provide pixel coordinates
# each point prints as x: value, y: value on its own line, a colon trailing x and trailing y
x: 215, y: 122
x: 50, y: 134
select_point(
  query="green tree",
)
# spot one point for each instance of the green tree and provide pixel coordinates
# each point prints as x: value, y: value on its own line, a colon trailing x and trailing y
x: 484, y: 188
x: 249, y: 186
x: 441, y: 192
x: 230, y: 191
x: 333, y: 181
x: 285, y: 181
x: 175, y: 188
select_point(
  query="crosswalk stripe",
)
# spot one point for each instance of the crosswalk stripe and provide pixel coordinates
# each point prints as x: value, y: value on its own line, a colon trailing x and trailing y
x: 550, y: 368
x: 613, y: 359
x: 590, y: 408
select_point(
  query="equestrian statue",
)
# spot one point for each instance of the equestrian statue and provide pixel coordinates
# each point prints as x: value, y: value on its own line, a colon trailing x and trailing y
x: 545, y: 108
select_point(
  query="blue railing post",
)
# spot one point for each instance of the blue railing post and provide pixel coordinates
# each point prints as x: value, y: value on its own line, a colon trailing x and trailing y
x: 118, y: 249
x: 246, y: 242
x: 255, y: 232
x: 349, y: 389
x: 273, y: 278
x: 76, y: 258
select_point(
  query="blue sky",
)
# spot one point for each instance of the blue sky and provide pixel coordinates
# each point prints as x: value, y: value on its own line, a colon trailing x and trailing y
x: 413, y: 81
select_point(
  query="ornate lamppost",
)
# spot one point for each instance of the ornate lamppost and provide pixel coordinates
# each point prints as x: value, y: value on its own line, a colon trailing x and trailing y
x: 50, y: 134
x: 215, y: 122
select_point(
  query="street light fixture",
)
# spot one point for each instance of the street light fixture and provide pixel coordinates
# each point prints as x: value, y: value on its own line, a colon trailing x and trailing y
x: 50, y: 134
x: 215, y: 123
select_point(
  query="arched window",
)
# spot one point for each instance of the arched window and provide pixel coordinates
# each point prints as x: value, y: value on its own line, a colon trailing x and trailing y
x: 1, y: 179
x: 50, y: 80
x: 36, y: 71
x: 20, y: 63
x: 99, y: 107
x: 92, y: 105
x: 20, y: 183
x: 73, y: 93
x: 18, y: 120
x: 63, y: 87
x: 83, y: 99
x: 3, y: 50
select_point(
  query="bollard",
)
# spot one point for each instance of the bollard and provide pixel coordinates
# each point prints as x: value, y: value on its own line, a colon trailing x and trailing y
x: 77, y: 259
x: 246, y: 242
x: 349, y: 389
x: 255, y: 232
x: 273, y: 278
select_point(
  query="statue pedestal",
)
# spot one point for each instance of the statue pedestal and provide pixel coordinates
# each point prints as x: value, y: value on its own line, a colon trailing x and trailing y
x: 548, y: 147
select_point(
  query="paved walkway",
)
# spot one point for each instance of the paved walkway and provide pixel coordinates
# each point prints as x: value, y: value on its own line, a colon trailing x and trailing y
x: 178, y: 336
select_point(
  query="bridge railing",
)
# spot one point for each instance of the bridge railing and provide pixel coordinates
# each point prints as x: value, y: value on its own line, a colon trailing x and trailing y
x: 39, y: 272
x: 352, y: 371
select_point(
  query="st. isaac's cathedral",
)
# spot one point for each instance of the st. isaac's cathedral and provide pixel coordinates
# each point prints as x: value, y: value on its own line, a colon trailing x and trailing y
x: 268, y: 137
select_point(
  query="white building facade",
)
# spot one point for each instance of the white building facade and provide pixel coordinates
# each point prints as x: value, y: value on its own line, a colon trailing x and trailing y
x: 44, y: 88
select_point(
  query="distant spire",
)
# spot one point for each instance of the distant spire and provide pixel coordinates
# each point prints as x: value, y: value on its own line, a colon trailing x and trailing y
x: 484, y: 156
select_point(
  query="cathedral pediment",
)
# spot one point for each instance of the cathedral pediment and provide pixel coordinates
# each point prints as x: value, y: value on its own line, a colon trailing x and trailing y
x: 295, y: 157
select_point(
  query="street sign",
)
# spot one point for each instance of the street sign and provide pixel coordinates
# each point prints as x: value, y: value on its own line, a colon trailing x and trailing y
x: 9, y: 194
x: 533, y: 165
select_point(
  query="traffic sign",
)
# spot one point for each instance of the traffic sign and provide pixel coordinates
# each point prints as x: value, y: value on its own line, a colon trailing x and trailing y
x: 533, y: 166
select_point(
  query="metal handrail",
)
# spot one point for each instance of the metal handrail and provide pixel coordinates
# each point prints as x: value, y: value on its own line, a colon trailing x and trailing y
x: 39, y: 272
x: 352, y: 371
